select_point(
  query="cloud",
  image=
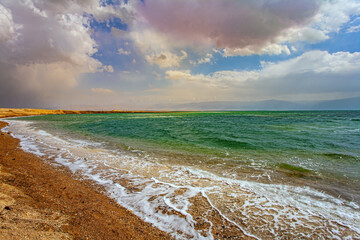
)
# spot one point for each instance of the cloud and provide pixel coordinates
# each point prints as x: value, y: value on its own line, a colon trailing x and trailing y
x: 155, y: 41
x: 46, y: 46
x: 220, y: 80
x: 306, y: 34
x: 26, y: 85
x: 324, y: 62
x: 102, y: 90
x: 228, y: 23
x: 158, y: 48
x: 206, y: 59
x: 314, y: 72
x: 98, y: 9
x: 334, y: 14
x: 108, y: 68
x: 166, y: 59
x: 354, y: 29
x: 122, y: 51
x: 8, y: 29
x: 271, y: 49
x: 331, y: 17
x: 355, y: 26
x: 246, y: 27
x: 183, y: 75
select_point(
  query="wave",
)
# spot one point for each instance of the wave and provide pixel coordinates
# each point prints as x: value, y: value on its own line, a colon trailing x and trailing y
x: 341, y: 156
x: 229, y: 143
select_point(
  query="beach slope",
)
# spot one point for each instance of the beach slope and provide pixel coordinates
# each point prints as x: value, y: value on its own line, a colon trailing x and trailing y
x: 40, y: 201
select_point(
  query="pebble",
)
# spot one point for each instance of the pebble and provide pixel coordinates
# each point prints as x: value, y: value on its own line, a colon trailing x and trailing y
x: 11, y: 179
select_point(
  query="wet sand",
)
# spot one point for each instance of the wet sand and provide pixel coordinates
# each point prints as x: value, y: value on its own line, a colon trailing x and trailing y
x: 41, y: 201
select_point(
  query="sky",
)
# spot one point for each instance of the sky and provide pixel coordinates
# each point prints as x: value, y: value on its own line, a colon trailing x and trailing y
x: 140, y: 54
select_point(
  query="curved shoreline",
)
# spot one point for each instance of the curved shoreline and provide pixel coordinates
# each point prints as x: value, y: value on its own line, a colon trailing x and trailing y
x: 22, y: 112
x: 46, y: 202
x: 197, y: 201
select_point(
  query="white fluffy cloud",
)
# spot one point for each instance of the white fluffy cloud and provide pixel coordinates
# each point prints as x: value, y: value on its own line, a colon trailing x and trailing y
x: 99, y: 10
x: 221, y: 79
x: 158, y: 48
x: 184, y: 75
x: 315, y: 62
x: 46, y: 45
x: 102, y: 90
x: 8, y: 29
x: 108, y: 68
x: 313, y: 72
x: 122, y: 51
x: 331, y: 17
x: 166, y: 59
x: 206, y: 59
x: 334, y: 14
x: 271, y: 49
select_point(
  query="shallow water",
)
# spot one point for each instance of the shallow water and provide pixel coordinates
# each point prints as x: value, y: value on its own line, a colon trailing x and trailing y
x: 215, y: 175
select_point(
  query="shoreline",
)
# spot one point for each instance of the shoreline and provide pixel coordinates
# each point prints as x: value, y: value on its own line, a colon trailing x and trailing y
x: 223, y: 227
x: 46, y: 202
x: 23, y: 112
x: 210, y: 214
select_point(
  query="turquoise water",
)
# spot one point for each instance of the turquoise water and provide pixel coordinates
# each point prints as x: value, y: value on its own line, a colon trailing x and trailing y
x: 325, y: 142
x: 266, y: 174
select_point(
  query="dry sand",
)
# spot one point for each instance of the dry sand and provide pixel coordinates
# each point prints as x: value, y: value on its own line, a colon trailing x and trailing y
x: 18, y: 112
x: 40, y: 201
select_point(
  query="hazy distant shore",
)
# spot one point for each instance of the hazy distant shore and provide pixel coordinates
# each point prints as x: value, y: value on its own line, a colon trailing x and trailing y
x: 21, y: 112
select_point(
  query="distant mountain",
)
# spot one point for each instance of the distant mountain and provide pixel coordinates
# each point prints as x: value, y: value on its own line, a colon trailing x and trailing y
x: 343, y: 104
x: 339, y: 104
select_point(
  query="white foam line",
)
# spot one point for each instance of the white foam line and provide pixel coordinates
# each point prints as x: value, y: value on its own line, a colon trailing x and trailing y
x: 212, y: 205
x: 183, y: 211
x: 169, y: 184
x: 210, y: 228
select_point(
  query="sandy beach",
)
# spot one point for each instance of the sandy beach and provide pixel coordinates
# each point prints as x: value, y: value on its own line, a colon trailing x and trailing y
x: 188, y: 119
x: 40, y: 201
x: 60, y: 185
x: 20, y: 112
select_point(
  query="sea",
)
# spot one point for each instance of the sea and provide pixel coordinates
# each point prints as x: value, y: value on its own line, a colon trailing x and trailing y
x: 215, y: 175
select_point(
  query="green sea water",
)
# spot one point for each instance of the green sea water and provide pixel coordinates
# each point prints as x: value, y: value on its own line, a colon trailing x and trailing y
x: 315, y: 149
x: 327, y: 142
